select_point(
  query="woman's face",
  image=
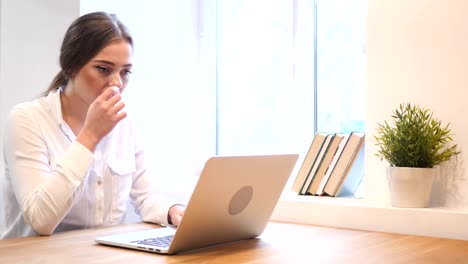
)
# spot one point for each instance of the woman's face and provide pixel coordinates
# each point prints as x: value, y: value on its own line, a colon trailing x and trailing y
x: 110, y: 67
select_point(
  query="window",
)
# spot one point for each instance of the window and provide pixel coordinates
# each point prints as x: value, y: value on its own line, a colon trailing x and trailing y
x: 241, y: 77
x: 265, y: 76
x: 271, y: 56
x: 341, y: 62
x: 286, y: 69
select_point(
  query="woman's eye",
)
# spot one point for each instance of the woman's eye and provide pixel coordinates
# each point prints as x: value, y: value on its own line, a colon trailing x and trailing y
x: 126, y: 72
x: 102, y: 69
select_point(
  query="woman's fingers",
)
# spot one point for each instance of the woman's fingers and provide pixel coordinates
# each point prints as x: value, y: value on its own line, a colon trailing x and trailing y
x: 111, y: 98
x: 108, y: 93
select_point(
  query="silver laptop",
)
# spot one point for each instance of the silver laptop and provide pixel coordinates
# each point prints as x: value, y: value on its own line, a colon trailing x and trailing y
x: 233, y: 200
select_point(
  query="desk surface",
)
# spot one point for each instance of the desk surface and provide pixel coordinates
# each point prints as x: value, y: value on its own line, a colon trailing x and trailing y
x: 280, y: 243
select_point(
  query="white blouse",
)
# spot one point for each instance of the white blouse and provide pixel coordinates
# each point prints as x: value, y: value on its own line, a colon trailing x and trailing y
x: 53, y: 183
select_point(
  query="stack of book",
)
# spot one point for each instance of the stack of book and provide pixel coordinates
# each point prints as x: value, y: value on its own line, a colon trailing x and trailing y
x: 333, y: 165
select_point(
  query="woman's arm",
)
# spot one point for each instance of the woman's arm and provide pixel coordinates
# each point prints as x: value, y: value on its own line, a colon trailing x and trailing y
x: 45, y: 193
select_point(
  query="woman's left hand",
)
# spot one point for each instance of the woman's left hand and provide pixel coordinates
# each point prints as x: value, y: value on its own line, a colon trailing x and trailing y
x: 176, y: 212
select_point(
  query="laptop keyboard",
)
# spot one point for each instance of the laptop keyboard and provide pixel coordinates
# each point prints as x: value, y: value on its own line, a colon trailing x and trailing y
x: 163, y: 241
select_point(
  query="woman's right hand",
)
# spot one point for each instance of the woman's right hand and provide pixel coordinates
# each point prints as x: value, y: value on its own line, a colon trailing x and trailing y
x: 103, y: 114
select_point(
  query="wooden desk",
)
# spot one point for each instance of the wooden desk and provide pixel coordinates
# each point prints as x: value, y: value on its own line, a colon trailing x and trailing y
x: 280, y: 243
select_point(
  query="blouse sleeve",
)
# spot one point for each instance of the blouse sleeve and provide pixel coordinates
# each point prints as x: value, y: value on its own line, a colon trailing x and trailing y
x: 45, y: 194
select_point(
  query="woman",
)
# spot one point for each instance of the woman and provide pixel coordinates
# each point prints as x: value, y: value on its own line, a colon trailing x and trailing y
x: 72, y: 159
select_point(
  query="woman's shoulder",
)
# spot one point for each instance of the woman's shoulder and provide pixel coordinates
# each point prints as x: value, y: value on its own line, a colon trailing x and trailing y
x: 27, y: 109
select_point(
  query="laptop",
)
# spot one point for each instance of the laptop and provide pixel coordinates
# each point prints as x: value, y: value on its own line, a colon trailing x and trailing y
x: 232, y: 201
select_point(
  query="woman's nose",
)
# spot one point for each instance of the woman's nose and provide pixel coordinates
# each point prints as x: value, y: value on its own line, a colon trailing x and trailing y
x: 116, y: 80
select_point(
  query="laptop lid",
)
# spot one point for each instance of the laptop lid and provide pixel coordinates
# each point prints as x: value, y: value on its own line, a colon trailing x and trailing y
x: 233, y: 200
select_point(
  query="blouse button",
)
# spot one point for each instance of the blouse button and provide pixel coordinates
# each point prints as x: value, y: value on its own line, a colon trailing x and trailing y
x: 99, y: 182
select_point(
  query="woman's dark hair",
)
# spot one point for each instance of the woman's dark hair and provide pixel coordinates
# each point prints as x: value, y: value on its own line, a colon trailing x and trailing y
x: 84, y: 39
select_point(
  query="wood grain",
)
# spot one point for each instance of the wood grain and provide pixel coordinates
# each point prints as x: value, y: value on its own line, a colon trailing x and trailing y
x: 280, y: 243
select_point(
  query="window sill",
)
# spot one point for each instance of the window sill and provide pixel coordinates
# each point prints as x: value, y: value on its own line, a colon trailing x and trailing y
x: 362, y: 214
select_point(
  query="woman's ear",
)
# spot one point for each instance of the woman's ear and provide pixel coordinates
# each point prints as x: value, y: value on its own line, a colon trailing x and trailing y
x: 68, y: 74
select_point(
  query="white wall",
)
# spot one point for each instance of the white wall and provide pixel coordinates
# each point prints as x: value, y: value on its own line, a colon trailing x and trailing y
x: 30, y: 35
x: 418, y: 51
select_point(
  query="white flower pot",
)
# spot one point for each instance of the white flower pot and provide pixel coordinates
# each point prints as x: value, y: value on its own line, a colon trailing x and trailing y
x: 410, y: 187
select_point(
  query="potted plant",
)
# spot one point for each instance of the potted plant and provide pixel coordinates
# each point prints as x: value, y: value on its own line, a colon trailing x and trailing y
x: 413, y: 146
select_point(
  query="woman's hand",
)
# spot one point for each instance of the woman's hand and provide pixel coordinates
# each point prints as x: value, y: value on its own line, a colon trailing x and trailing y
x: 176, y: 212
x: 103, y: 114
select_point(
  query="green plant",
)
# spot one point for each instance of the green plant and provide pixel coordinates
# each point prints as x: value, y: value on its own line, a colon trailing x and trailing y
x: 417, y: 139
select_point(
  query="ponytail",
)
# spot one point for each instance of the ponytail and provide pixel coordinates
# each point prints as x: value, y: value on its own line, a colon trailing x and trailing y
x: 60, y: 80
